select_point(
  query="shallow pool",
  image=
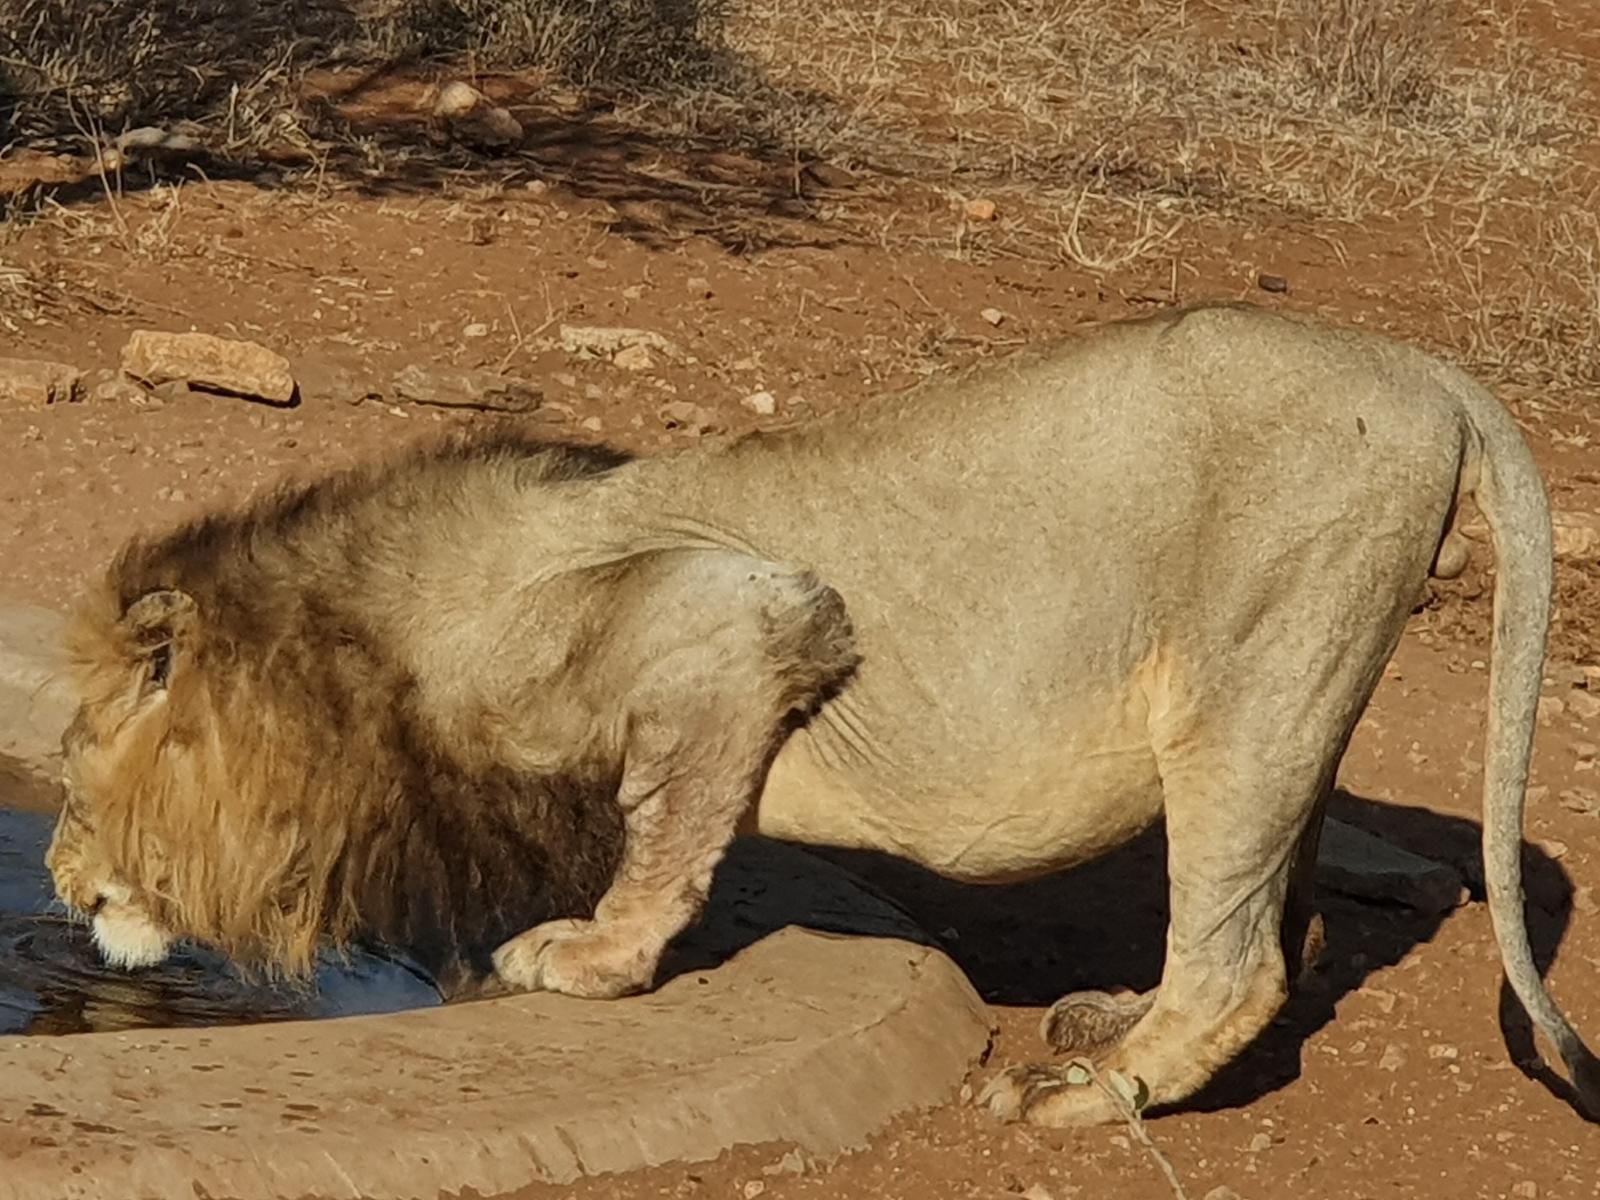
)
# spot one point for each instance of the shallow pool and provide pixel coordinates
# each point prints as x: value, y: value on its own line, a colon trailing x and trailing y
x: 53, y: 982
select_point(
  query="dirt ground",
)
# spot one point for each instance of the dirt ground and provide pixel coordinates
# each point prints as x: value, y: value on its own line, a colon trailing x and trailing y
x: 821, y: 273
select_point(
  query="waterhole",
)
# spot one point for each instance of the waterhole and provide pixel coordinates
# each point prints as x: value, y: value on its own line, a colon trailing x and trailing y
x: 52, y: 980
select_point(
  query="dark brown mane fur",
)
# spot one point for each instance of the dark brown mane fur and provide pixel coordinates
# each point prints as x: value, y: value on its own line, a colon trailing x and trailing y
x: 336, y: 812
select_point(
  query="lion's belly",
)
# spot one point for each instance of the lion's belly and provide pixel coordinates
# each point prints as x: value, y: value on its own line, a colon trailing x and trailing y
x: 1029, y: 812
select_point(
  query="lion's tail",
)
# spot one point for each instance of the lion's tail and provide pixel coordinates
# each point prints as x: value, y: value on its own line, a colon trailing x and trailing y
x: 1511, y: 496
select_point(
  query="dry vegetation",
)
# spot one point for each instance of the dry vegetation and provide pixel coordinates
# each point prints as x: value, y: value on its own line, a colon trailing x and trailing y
x: 1119, y: 142
x: 1106, y: 129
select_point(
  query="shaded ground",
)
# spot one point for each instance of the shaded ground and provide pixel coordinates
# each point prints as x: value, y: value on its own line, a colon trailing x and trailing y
x: 845, y: 261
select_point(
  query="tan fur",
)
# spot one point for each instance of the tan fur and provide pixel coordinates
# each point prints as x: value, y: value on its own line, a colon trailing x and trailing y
x: 514, y: 701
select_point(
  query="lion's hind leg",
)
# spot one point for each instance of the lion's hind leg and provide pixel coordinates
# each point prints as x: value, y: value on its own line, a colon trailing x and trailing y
x: 1240, y: 809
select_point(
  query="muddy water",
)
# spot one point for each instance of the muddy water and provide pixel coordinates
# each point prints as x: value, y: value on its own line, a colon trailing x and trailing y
x: 53, y: 982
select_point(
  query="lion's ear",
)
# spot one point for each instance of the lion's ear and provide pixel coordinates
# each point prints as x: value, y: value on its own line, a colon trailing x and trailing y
x: 158, y: 625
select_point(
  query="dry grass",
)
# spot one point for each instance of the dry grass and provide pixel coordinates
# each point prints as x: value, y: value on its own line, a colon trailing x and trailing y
x: 1370, y: 56
x: 1327, y: 109
x: 1105, y: 131
x: 1524, y: 306
x: 237, y: 66
x: 642, y: 42
x: 70, y: 65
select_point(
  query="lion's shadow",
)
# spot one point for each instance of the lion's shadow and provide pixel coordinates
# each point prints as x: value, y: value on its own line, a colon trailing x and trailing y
x: 1029, y: 943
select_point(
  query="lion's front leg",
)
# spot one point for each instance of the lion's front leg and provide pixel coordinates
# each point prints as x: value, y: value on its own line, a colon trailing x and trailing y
x: 676, y: 834
x: 722, y: 651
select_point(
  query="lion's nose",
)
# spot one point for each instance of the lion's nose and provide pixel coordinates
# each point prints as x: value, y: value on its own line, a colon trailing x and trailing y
x: 96, y: 904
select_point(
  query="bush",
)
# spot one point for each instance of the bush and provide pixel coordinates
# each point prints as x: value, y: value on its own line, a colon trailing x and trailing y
x: 1373, y: 56
x: 68, y: 65
x: 639, y: 42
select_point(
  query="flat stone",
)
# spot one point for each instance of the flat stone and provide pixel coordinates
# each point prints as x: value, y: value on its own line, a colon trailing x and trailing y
x: 802, y: 1036
x: 212, y: 363
x: 1354, y: 862
x: 36, y: 703
x: 607, y: 341
x: 35, y: 382
x: 455, y: 387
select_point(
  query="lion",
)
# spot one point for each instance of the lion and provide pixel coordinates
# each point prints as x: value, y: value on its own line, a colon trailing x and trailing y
x: 509, y: 702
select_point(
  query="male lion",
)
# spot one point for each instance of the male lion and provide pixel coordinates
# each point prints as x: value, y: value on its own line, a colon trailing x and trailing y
x: 514, y: 701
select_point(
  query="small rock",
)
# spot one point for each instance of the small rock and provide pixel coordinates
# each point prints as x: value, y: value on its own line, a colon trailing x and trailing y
x: 1550, y: 707
x: 1441, y: 1051
x: 467, y: 115
x: 1584, y: 705
x: 1392, y: 1059
x: 1385, y: 1000
x: 605, y: 341
x: 1036, y: 1191
x: 992, y: 315
x: 1554, y: 848
x: 684, y: 414
x: 476, y: 330
x: 35, y: 381
x: 592, y: 424
x: 453, y: 387
x: 763, y: 404
x: 1354, y: 862
x: 1576, y: 536
x: 980, y: 210
x: 698, y: 285
x: 792, y: 1163
x: 1581, y: 801
x: 634, y: 358
x: 1272, y: 283
x: 171, y: 392
x: 1259, y: 1142
x: 1526, y: 1190
x: 118, y: 389
x: 753, y: 1189
x: 212, y: 363
x: 1583, y: 899
x: 1221, y: 1193
x: 1591, y: 676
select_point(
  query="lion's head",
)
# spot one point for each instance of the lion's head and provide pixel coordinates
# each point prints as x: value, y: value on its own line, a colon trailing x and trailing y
x: 249, y: 768
x: 185, y: 795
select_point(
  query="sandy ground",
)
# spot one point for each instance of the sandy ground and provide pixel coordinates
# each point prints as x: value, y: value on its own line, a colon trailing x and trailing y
x: 1388, y: 1077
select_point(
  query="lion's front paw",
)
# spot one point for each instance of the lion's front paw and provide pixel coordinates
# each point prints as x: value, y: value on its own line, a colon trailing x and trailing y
x: 1048, y: 1095
x: 575, y: 958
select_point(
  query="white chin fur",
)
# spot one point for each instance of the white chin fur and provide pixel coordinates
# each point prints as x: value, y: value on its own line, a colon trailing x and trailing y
x: 127, y: 939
